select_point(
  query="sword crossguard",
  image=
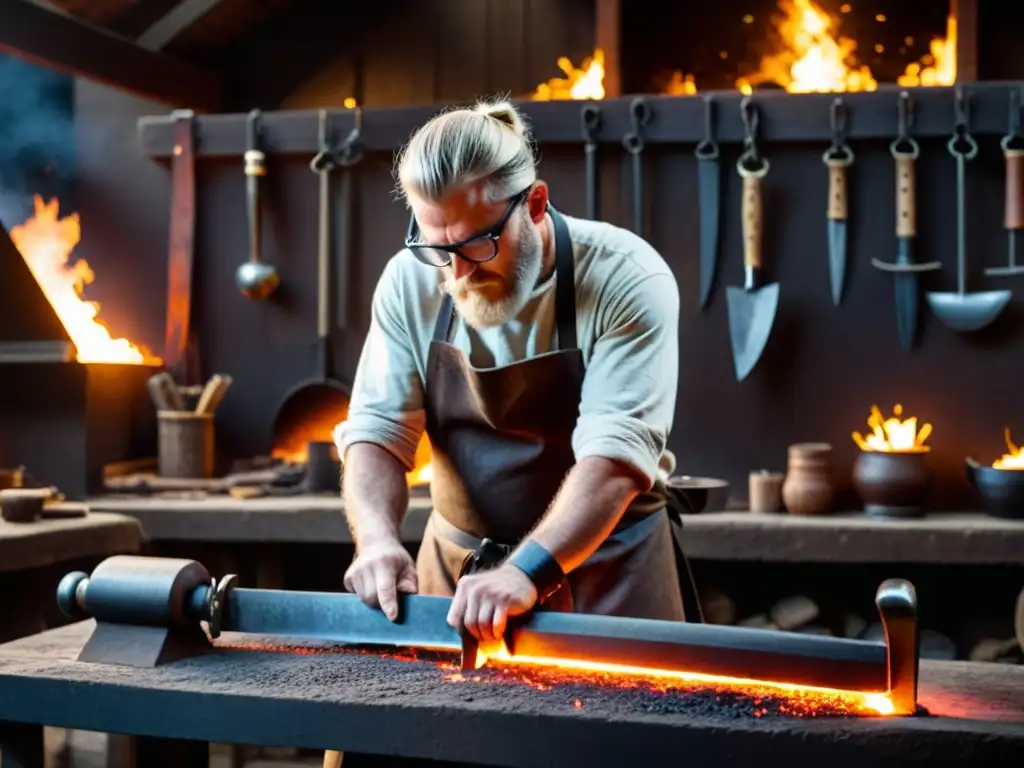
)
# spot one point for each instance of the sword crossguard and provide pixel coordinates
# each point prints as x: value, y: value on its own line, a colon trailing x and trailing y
x: 887, y: 266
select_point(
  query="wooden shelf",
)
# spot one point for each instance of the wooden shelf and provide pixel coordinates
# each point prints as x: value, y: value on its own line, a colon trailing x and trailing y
x: 951, y: 537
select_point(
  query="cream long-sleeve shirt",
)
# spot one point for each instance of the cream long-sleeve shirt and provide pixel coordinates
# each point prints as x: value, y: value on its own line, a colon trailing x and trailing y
x: 627, y: 320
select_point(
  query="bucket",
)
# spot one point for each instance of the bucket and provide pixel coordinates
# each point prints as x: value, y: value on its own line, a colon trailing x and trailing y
x: 186, y: 444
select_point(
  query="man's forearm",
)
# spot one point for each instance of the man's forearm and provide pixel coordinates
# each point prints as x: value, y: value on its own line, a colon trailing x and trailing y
x: 376, y: 493
x: 592, y: 500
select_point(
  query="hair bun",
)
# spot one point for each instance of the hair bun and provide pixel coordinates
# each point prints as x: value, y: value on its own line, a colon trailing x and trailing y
x: 504, y: 112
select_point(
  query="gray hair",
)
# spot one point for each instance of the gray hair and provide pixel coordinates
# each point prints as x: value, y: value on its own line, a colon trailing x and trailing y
x: 489, y: 143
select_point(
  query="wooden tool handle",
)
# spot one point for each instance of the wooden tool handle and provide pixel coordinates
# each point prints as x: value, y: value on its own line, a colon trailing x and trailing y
x: 752, y: 221
x: 837, y: 191
x: 333, y: 758
x: 213, y: 393
x: 906, y: 185
x: 1014, y: 188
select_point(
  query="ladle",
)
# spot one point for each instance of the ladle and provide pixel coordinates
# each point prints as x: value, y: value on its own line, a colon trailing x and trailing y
x: 962, y: 311
x: 255, y: 278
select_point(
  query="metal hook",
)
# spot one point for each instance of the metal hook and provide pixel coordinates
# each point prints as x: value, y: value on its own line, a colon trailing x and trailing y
x: 904, y: 144
x: 707, y: 149
x: 1014, y: 112
x: 351, y: 151
x: 750, y: 119
x: 837, y: 119
x: 322, y: 130
x: 590, y: 117
x: 640, y: 112
x: 961, y: 109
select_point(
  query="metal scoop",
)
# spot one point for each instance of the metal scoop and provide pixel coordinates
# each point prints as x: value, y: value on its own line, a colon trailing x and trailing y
x: 962, y: 311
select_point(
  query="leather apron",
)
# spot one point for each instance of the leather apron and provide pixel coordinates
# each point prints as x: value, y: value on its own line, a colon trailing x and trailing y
x: 501, y: 441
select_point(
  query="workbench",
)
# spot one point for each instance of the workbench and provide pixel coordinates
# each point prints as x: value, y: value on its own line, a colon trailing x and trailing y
x: 325, y: 698
x: 36, y: 555
x: 946, y: 538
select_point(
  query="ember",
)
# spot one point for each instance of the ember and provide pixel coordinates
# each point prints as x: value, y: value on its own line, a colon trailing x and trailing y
x: 46, y: 242
x: 634, y: 689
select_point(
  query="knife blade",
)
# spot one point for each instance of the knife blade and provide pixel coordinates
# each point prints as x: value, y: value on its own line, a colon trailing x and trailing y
x: 708, y: 181
x: 906, y: 294
x: 837, y: 159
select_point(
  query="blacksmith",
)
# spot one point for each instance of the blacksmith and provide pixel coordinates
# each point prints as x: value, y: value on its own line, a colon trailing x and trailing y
x: 540, y: 353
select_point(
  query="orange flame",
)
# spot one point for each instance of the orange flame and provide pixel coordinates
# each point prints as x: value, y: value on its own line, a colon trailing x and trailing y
x: 1012, y: 460
x: 938, y: 67
x: 580, y: 83
x: 45, y: 242
x: 893, y: 435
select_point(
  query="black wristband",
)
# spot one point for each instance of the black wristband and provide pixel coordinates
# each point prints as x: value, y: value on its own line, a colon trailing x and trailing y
x: 539, y: 566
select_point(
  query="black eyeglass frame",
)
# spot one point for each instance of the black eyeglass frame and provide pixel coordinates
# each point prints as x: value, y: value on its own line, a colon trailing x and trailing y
x: 454, y: 249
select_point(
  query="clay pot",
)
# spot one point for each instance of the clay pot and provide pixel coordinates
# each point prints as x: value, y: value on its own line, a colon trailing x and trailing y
x: 809, y: 488
x: 1001, y: 490
x: 893, y: 484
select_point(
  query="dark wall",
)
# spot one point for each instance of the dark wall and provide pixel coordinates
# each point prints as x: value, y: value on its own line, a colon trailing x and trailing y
x: 435, y: 51
x: 824, y: 366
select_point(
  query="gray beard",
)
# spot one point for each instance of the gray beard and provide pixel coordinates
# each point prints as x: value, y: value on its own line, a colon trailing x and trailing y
x: 478, y: 311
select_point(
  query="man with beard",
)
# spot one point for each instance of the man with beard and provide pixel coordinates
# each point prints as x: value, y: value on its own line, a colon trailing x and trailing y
x: 540, y: 354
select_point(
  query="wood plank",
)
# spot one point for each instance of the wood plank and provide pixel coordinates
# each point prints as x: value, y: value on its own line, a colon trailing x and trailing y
x: 508, y: 54
x: 47, y: 36
x: 45, y: 542
x: 306, y: 519
x: 358, y: 702
x: 140, y: 16
x: 176, y: 21
x: 462, y: 69
x: 388, y: 80
x: 967, y: 39
x: 953, y: 538
x: 608, y: 37
x: 785, y: 117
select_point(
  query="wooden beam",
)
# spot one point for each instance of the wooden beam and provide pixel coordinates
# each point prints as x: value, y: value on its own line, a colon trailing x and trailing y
x: 282, y: 53
x: 140, y: 16
x: 784, y: 117
x: 175, y: 22
x: 608, y: 37
x: 52, y: 38
x: 966, y: 14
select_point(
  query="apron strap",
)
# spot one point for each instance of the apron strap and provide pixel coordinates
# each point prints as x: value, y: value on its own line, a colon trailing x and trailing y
x: 692, y: 608
x: 565, y: 283
x: 565, y: 290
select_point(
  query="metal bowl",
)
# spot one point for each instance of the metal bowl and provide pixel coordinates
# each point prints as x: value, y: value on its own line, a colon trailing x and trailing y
x: 692, y: 492
x: 1001, y: 490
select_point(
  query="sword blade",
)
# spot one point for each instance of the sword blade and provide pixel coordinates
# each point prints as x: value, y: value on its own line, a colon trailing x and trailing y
x: 837, y: 257
x: 906, y: 295
x: 341, y: 617
x: 707, y: 186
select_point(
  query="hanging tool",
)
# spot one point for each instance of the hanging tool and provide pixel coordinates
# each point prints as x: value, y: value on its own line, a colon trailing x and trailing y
x: 324, y: 393
x: 255, y: 278
x: 962, y: 311
x: 708, y: 177
x: 838, y: 158
x: 905, y: 151
x: 1013, y: 155
x: 640, y: 114
x: 180, y: 349
x: 753, y: 307
x: 590, y: 118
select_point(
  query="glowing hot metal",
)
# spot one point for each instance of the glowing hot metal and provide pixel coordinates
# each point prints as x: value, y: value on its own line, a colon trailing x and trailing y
x: 130, y: 595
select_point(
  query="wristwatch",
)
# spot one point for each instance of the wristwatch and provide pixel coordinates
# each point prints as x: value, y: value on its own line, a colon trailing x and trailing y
x: 540, y: 567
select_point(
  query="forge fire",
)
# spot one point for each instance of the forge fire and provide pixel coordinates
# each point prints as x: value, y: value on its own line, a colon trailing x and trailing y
x: 520, y: 681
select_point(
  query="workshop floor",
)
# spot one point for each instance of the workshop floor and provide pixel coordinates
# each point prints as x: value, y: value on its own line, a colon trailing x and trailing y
x: 84, y: 749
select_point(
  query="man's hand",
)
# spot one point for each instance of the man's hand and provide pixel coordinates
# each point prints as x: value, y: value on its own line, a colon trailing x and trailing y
x: 379, y: 572
x: 484, y: 601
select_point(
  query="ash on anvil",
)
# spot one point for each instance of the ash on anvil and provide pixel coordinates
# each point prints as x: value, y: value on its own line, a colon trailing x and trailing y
x: 891, y: 474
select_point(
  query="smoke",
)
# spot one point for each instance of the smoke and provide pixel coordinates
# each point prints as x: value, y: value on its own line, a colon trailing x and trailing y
x: 37, y: 141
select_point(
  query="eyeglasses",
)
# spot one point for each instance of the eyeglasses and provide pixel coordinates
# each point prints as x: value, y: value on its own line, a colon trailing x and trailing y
x: 477, y: 249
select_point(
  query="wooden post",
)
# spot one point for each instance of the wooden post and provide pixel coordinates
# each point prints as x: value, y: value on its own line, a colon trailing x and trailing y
x: 608, y: 38
x: 966, y: 14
